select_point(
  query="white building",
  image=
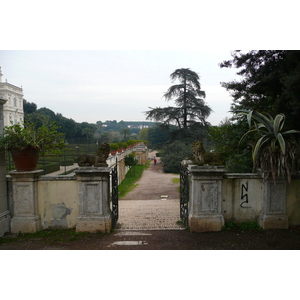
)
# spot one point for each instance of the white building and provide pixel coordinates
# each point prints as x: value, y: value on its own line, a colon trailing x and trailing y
x: 13, y: 109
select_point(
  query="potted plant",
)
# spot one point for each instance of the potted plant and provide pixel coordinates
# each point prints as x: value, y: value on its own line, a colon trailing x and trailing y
x: 274, y: 151
x: 28, y: 142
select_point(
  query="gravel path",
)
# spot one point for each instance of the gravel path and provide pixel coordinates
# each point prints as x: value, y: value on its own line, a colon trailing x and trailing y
x: 153, y: 184
x: 153, y: 204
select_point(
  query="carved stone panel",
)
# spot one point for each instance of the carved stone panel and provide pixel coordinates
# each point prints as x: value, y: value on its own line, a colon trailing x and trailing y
x: 273, y: 214
x: 24, y: 198
x: 208, y: 197
x: 277, y: 198
x: 92, y: 198
x: 205, y: 199
x: 26, y: 218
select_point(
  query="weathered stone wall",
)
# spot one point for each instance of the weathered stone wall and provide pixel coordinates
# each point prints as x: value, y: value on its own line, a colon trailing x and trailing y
x: 141, y: 153
x: 293, y: 202
x: 244, y: 197
x: 58, y: 201
x: 215, y: 198
x: 237, y: 190
x: 57, y: 197
x: 240, y: 188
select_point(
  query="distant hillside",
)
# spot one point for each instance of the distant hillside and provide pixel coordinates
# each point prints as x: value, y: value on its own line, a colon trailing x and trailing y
x: 73, y: 129
x: 138, y: 124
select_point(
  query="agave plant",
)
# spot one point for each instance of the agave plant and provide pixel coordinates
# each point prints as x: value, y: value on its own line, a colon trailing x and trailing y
x: 274, y: 151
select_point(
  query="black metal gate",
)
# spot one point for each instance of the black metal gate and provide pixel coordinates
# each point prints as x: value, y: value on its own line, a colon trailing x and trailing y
x: 184, y: 194
x: 115, y: 196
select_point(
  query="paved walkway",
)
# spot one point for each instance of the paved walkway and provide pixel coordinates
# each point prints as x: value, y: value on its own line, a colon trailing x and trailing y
x: 148, y: 215
x: 153, y: 205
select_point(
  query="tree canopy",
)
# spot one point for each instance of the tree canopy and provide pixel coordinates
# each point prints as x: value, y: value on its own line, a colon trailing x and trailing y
x: 108, y: 131
x: 189, y: 99
x: 270, y: 82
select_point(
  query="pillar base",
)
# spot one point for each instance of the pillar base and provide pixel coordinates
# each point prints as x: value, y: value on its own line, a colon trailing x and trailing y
x: 206, y: 223
x: 25, y: 224
x: 273, y: 221
x: 25, y: 201
x: 94, y: 223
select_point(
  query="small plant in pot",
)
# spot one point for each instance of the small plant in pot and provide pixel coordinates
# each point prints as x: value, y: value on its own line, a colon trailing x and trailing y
x: 28, y: 142
x: 275, y: 151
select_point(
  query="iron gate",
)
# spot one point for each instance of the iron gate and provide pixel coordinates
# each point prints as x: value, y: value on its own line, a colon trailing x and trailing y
x: 184, y: 194
x: 115, y: 196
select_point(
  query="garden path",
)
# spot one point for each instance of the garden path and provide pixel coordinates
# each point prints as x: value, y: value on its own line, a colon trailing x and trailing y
x: 154, y: 204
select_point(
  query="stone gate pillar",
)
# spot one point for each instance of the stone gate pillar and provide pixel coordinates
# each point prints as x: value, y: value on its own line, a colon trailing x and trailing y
x: 205, y: 213
x: 273, y: 214
x: 25, y: 201
x: 4, y: 212
x: 94, y: 200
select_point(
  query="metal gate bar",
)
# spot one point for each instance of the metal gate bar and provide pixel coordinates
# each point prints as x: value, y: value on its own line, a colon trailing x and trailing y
x: 184, y: 194
x: 115, y: 195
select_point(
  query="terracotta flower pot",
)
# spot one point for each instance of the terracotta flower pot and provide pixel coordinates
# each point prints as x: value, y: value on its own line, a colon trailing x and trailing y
x: 25, y: 160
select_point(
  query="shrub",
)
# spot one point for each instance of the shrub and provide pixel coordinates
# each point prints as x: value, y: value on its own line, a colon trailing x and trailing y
x: 172, y: 154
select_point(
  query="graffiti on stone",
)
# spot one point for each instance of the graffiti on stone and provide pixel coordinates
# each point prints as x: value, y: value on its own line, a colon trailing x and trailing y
x: 244, y: 195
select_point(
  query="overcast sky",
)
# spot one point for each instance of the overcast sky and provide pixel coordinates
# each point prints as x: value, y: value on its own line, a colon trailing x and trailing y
x: 91, y: 86
x: 104, y: 84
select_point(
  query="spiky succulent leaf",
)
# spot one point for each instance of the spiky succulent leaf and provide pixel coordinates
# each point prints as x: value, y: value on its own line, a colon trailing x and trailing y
x: 281, y: 143
x: 274, y: 152
x: 258, y: 147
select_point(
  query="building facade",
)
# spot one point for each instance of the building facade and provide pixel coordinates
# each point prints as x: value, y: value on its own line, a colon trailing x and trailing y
x: 13, y: 112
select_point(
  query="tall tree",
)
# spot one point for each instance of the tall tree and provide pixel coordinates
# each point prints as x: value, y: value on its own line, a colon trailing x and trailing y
x: 125, y: 131
x: 143, y: 134
x: 189, y: 99
x: 29, y: 107
x: 270, y: 82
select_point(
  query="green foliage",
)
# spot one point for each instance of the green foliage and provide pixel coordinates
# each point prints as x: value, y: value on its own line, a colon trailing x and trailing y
x: 225, y: 140
x: 176, y: 180
x: 44, y: 138
x: 228, y: 225
x: 274, y: 150
x: 48, y: 236
x: 172, y: 154
x: 29, y: 107
x: 190, y: 106
x: 125, y: 132
x: 270, y: 81
x: 240, y: 163
x: 143, y: 134
x: 113, y: 146
x: 132, y: 176
x: 158, y: 135
x: 130, y: 160
x: 242, y: 226
x: 108, y: 131
x: 122, y: 145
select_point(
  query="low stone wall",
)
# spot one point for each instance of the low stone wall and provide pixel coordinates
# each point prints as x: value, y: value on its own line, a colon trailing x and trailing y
x: 38, y: 202
x: 217, y: 196
x: 58, y: 201
x: 242, y: 198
